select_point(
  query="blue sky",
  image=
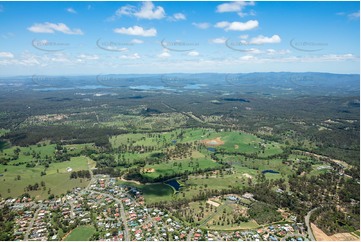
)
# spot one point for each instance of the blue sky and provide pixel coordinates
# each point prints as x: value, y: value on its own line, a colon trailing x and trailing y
x: 77, y: 38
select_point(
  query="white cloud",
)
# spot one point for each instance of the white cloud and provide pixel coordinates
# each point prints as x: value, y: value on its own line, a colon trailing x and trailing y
x: 354, y: 16
x: 202, y: 25
x: 254, y: 51
x: 149, y: 11
x: 247, y: 57
x: 193, y: 53
x: 221, y: 40
x: 237, y: 26
x: 56, y: 58
x: 245, y: 36
x: 250, y: 13
x: 233, y: 6
x: 177, y: 17
x: 222, y: 24
x: 164, y: 54
x: 52, y: 28
x: 136, y: 30
x: 71, y: 10
x: 6, y: 55
x: 136, y: 41
x: 279, y: 52
x: 125, y: 10
x: 146, y: 11
x: 265, y: 40
x: 236, y: 7
x: 88, y: 57
x: 131, y: 57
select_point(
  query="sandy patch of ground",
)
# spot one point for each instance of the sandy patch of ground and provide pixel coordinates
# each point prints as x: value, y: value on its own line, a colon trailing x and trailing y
x: 213, y: 142
x: 213, y: 203
x: 236, y: 146
x: 247, y: 175
x: 320, y: 235
x: 149, y: 170
x: 344, y: 237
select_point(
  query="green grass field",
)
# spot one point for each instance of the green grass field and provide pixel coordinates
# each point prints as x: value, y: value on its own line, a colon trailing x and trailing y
x: 233, y: 141
x: 57, y: 178
x: 226, y: 213
x: 172, y: 167
x: 153, y: 192
x: 81, y: 233
x: 26, y: 153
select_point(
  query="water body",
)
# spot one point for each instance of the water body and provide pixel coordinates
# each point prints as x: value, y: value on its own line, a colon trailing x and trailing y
x: 174, y: 184
x: 211, y: 149
x: 150, y: 88
x: 87, y: 87
x: 270, y: 171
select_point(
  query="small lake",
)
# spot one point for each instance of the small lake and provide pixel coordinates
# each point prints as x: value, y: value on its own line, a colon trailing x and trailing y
x: 211, y: 149
x: 270, y: 171
x: 174, y: 184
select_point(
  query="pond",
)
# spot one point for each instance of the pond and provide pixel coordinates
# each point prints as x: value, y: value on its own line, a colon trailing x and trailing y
x: 270, y: 171
x: 174, y: 184
x: 211, y: 149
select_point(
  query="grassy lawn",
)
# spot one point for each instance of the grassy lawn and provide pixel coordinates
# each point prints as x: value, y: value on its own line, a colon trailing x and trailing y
x: 57, y: 178
x: 244, y: 225
x: 81, y: 233
x: 222, y: 220
x: 26, y: 153
x: 172, y: 167
x: 153, y: 192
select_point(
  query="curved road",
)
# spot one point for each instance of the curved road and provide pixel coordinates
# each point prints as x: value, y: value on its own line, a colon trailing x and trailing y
x: 307, y: 222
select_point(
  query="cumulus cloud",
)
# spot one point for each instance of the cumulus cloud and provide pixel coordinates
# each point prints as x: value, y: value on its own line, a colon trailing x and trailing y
x: 236, y: 7
x: 149, y: 11
x: 265, y: 40
x: 71, y: 10
x: 146, y: 11
x: 6, y: 55
x: 125, y: 10
x: 221, y: 40
x: 164, y: 54
x: 136, y: 30
x: 237, y: 26
x: 51, y: 28
x: 247, y: 57
x: 201, y: 25
x: 233, y: 6
x: 177, y: 17
x: 193, y: 53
